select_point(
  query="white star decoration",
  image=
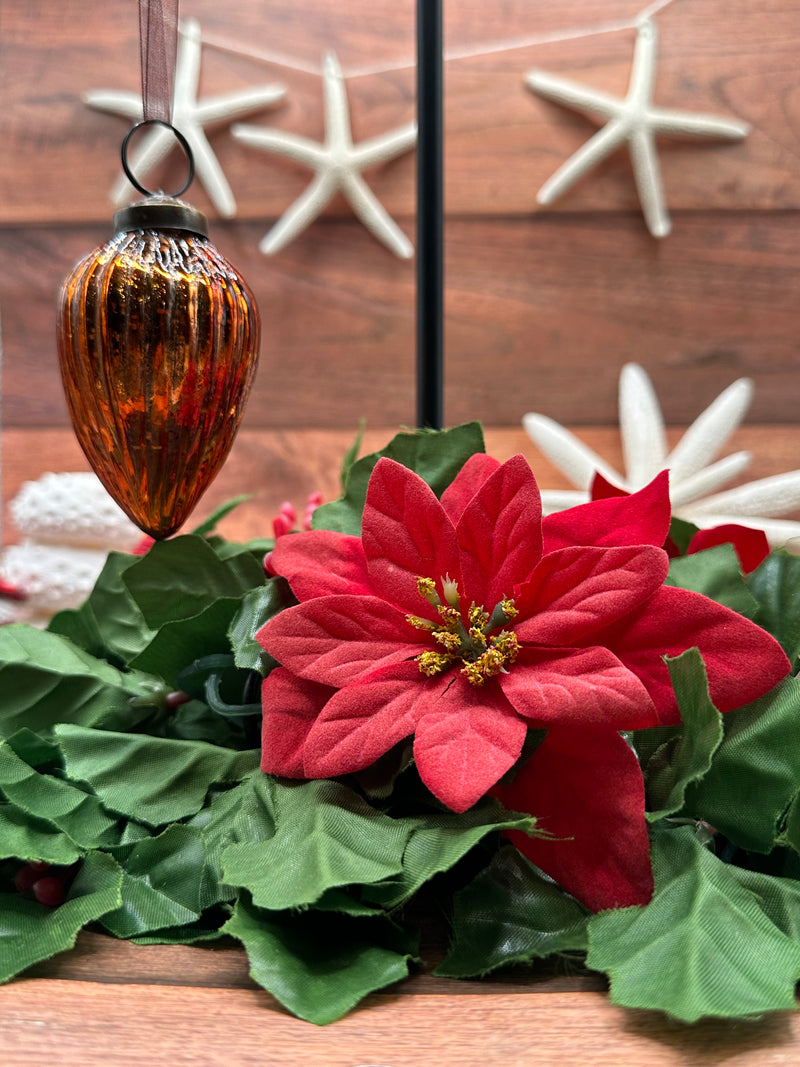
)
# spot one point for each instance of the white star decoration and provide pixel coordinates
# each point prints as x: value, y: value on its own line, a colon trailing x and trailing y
x: 190, y: 116
x: 692, y: 473
x: 338, y: 164
x: 634, y: 120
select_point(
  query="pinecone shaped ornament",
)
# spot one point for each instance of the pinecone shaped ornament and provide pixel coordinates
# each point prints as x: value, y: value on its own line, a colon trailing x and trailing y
x: 158, y: 340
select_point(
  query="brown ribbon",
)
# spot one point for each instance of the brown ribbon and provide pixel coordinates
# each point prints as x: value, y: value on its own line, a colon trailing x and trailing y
x: 158, y: 44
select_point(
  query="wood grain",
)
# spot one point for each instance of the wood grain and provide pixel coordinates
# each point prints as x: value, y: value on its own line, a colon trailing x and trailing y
x: 541, y: 314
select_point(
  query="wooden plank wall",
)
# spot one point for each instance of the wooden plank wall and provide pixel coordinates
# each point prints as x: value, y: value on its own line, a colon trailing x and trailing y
x: 543, y: 305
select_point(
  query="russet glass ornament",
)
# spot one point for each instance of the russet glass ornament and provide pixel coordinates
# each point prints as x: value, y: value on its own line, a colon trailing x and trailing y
x: 158, y: 341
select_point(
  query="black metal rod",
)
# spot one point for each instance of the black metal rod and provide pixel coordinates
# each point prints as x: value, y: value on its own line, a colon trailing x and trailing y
x: 430, y: 216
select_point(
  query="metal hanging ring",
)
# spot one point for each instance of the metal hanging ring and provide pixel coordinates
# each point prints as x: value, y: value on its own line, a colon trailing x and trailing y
x: 181, y: 141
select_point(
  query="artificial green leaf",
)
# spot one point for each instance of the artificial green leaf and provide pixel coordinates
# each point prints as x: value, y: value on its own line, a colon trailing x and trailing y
x: 437, y: 842
x: 320, y: 965
x: 687, y: 756
x: 774, y: 585
x: 181, y: 577
x: 45, y: 679
x: 256, y: 607
x: 218, y: 514
x: 681, y: 533
x: 109, y: 623
x: 702, y: 946
x: 350, y: 456
x: 755, y: 771
x: 176, y: 644
x: 26, y: 838
x: 511, y: 913
x: 778, y: 898
x: 32, y: 932
x: 154, y: 780
x: 35, y: 750
x: 70, y: 809
x: 717, y: 574
x: 435, y: 455
x: 161, y: 884
x: 325, y: 836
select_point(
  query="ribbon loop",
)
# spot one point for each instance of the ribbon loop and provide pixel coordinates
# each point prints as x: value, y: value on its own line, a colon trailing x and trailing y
x: 158, y: 44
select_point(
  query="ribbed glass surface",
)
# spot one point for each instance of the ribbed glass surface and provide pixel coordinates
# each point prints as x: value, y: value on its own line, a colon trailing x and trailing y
x: 158, y: 341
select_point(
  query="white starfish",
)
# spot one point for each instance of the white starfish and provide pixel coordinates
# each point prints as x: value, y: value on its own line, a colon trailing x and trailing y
x: 338, y: 164
x: 692, y: 473
x: 190, y: 116
x: 634, y: 120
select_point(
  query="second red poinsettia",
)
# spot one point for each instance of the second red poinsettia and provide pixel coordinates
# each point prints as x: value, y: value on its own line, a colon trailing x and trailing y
x: 466, y: 621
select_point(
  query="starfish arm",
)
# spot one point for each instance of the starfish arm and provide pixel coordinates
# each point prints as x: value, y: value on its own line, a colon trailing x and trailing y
x: 684, y: 124
x: 187, y: 64
x: 384, y: 147
x: 372, y: 213
x: 648, y: 181
x: 710, y: 430
x: 573, y: 95
x: 554, y: 500
x: 709, y: 479
x: 337, y: 110
x: 210, y: 172
x: 767, y: 496
x: 240, y: 102
x: 643, y: 69
x: 781, y: 533
x: 154, y: 146
x: 302, y: 212
x: 644, y: 443
x: 117, y: 102
x: 602, y: 144
x: 572, y: 457
x: 299, y: 149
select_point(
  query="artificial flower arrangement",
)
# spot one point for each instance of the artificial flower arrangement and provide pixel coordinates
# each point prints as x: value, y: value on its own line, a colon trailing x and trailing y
x: 564, y: 736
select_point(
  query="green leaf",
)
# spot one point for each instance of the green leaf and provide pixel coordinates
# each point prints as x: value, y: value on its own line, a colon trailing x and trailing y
x: 351, y: 455
x: 161, y: 884
x: 109, y: 623
x: 45, y: 679
x: 181, y: 577
x: 154, y: 780
x: 256, y: 607
x: 28, y: 839
x: 178, y: 643
x: 319, y: 966
x: 774, y: 585
x: 755, y: 772
x: 325, y: 836
x: 702, y: 946
x: 687, y: 756
x: 219, y: 514
x: 436, y: 456
x: 68, y: 808
x: 511, y: 913
x: 778, y: 898
x: 716, y: 573
x: 31, y: 932
x: 681, y: 533
x: 437, y: 842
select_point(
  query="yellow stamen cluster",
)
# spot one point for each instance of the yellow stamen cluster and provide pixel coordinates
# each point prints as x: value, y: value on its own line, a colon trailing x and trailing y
x: 481, y: 653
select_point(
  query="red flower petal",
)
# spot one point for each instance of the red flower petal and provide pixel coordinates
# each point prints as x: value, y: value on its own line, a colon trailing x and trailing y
x: 500, y: 534
x: 467, y: 483
x: 321, y: 563
x: 743, y: 661
x: 580, y: 687
x: 642, y: 518
x: 585, y: 788
x: 466, y: 741
x: 406, y: 534
x: 752, y: 546
x: 576, y: 591
x: 364, y: 720
x: 291, y: 707
x: 335, y: 639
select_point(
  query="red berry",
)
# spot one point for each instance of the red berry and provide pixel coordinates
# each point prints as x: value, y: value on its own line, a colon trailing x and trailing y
x: 25, y: 878
x: 49, y: 891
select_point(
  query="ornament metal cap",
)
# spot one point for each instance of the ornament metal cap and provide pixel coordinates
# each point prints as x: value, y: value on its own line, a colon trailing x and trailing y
x: 159, y: 212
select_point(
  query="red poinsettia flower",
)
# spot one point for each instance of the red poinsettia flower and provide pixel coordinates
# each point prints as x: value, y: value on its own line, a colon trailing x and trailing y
x: 467, y: 620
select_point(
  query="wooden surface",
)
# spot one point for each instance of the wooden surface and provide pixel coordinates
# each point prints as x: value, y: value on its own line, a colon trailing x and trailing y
x: 543, y: 306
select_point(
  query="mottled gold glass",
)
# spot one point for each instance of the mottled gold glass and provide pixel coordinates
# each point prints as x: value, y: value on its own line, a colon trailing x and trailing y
x: 158, y: 341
